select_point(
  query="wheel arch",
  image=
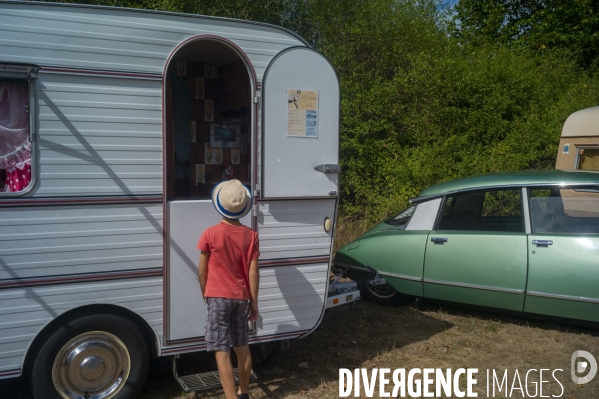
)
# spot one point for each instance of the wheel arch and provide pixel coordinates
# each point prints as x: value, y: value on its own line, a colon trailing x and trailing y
x: 147, y: 331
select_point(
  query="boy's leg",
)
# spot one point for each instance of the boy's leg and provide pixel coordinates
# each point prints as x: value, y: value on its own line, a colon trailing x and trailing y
x: 225, y: 370
x: 218, y: 339
x: 244, y: 365
x: 239, y: 340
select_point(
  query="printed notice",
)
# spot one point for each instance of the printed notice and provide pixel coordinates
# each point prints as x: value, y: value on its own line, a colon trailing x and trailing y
x: 302, y: 113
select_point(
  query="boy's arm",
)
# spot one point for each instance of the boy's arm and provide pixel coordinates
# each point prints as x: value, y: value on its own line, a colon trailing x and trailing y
x: 254, y: 275
x: 203, y: 270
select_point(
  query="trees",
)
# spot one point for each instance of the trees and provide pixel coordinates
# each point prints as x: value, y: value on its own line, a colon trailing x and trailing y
x: 571, y: 25
x: 419, y: 107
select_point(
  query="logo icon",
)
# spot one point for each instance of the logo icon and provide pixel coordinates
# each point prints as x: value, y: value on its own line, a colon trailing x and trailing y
x: 581, y: 366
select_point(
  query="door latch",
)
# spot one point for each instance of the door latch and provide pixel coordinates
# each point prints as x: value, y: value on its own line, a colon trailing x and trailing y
x: 328, y: 168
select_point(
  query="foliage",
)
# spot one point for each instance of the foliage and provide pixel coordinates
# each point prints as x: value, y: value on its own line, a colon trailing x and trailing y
x: 571, y: 25
x: 419, y: 108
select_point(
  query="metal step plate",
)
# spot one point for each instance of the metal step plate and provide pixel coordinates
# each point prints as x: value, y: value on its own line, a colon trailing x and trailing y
x: 205, y: 381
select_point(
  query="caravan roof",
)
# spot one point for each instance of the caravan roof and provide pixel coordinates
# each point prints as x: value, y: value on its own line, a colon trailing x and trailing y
x: 582, y: 123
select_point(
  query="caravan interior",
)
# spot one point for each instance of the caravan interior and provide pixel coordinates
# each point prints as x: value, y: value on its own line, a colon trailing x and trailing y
x: 208, y: 119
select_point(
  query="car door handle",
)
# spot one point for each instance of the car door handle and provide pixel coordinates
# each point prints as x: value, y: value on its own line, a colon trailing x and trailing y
x: 542, y: 243
x: 439, y: 240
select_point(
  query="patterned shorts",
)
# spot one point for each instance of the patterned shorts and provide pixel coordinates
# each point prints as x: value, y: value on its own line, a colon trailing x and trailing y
x: 226, y: 323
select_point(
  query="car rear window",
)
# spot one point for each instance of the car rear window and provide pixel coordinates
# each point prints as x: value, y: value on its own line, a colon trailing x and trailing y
x: 564, y: 210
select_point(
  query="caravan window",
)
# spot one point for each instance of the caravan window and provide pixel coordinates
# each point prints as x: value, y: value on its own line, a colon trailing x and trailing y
x: 588, y: 159
x: 15, y: 141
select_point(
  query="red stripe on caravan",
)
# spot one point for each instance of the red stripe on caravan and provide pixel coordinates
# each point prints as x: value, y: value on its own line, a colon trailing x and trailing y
x: 194, y: 348
x: 35, y: 281
x: 77, y: 201
x: 9, y: 374
x: 293, y: 261
x: 92, y: 72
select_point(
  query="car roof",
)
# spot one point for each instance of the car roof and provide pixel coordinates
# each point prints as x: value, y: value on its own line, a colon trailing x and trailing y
x: 515, y: 178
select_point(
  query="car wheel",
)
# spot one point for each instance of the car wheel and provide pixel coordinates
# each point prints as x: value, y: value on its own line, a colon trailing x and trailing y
x: 384, y: 295
x: 101, y: 356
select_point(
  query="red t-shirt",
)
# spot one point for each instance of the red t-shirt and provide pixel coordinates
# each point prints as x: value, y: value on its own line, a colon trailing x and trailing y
x: 232, y: 248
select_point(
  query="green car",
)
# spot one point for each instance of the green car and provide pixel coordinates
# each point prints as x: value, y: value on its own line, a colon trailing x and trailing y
x: 523, y: 241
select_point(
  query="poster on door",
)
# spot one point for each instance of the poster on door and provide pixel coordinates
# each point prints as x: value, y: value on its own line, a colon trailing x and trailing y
x: 302, y: 113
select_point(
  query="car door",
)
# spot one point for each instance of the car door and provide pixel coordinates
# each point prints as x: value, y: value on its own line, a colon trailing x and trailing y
x: 564, y: 252
x: 477, y: 253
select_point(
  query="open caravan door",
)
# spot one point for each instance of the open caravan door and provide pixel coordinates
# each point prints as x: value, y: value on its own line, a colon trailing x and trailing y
x: 300, y: 119
x: 298, y: 185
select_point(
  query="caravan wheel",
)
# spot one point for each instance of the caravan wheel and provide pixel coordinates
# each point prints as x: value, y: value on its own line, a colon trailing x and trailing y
x: 97, y: 356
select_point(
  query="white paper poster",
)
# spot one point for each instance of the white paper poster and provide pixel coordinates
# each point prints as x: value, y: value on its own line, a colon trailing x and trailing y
x: 302, y: 113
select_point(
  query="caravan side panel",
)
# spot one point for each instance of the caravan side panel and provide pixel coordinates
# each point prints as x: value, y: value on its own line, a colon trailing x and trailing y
x: 120, y: 39
x: 50, y: 242
x: 98, y: 136
x: 25, y: 311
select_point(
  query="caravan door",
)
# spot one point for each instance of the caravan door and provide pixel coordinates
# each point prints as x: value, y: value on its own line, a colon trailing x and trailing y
x: 298, y: 191
x: 300, y: 119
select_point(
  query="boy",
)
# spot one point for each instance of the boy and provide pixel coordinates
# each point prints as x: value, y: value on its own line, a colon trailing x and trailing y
x: 229, y: 279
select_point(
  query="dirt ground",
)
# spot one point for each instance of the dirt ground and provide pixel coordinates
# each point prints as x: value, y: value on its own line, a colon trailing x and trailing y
x: 369, y: 336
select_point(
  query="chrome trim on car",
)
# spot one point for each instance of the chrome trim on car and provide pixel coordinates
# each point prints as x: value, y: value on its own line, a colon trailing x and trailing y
x: 417, y: 200
x: 401, y: 276
x: 526, y: 211
x: 474, y: 286
x: 387, y: 274
x: 542, y: 243
x: 563, y: 297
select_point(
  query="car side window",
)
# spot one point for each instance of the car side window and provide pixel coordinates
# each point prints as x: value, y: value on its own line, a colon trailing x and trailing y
x: 485, y: 210
x: 402, y: 218
x: 564, y: 210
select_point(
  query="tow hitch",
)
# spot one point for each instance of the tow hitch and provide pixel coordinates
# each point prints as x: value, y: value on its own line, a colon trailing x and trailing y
x: 341, y: 293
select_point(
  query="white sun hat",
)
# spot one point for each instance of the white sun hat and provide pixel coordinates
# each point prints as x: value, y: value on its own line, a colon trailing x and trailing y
x: 232, y: 199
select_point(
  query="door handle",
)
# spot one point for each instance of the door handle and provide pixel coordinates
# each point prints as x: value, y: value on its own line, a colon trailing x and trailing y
x: 542, y: 243
x: 439, y: 240
x: 328, y: 168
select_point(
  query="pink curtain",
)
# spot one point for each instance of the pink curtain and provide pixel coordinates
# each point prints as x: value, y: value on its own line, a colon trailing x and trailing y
x: 15, y: 147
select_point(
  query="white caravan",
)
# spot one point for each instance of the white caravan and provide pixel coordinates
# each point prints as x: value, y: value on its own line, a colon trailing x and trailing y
x: 115, y: 124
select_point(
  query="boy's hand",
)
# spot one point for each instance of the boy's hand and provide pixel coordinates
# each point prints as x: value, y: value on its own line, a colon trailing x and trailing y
x: 254, y: 313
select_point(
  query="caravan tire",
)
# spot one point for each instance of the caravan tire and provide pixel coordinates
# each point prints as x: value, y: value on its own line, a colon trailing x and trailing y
x: 384, y: 295
x: 102, y: 356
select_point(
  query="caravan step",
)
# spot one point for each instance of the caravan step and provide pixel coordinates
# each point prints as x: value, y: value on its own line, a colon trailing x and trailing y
x: 205, y: 381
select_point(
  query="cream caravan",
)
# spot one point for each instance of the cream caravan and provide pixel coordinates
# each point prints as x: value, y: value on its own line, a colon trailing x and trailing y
x: 579, y: 144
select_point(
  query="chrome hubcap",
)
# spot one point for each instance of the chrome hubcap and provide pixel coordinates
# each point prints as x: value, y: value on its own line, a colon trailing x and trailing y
x: 381, y: 293
x: 93, y: 365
